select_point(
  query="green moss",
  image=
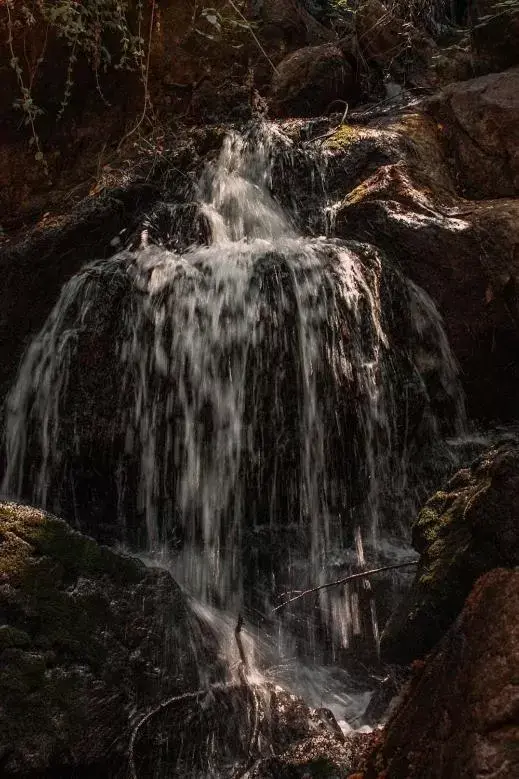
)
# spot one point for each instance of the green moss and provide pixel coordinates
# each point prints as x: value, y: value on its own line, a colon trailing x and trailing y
x: 357, y: 195
x: 44, y: 535
x: 74, y: 614
x: 344, y: 137
x: 43, y: 558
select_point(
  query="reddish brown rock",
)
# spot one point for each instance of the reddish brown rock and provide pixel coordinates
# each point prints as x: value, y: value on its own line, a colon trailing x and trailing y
x: 495, y: 36
x: 459, y: 716
x: 288, y: 26
x: 480, y: 122
x: 379, y: 32
x: 311, y: 79
x: 465, y: 254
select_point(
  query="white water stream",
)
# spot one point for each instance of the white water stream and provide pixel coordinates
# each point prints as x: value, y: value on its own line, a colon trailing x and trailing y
x: 200, y: 340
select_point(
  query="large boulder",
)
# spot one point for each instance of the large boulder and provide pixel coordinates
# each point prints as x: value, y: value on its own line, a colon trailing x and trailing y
x: 286, y: 25
x: 311, y: 79
x: 464, y: 530
x: 465, y: 254
x: 89, y: 641
x: 479, y: 120
x: 379, y: 32
x: 459, y: 716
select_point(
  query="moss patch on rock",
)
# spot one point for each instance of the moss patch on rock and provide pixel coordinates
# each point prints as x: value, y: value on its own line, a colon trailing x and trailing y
x: 463, y: 531
x: 87, y: 637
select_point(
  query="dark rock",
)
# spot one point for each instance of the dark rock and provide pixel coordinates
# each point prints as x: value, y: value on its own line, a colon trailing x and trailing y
x: 480, y: 122
x: 89, y: 640
x: 379, y: 32
x: 311, y: 79
x: 466, y: 529
x: 226, y: 102
x: 459, y: 717
x: 287, y: 25
x: 380, y: 702
x: 495, y: 38
x: 34, y: 269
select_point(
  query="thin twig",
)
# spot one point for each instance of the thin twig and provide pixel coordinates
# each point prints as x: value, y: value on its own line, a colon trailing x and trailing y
x: 331, y: 132
x: 349, y: 578
x: 256, y: 39
x: 145, y: 80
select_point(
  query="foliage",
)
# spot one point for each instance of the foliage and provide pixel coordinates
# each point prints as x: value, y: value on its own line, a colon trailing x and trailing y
x: 104, y: 33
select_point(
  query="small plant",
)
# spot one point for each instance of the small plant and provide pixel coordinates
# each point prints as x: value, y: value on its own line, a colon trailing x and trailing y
x: 104, y: 33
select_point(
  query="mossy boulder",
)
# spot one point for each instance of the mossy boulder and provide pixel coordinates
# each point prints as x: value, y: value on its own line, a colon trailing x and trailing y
x: 466, y: 529
x: 89, y: 639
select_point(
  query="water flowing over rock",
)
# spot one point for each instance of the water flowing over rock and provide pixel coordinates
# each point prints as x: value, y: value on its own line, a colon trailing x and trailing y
x: 106, y: 671
x: 462, y: 252
x: 238, y: 351
x: 244, y: 405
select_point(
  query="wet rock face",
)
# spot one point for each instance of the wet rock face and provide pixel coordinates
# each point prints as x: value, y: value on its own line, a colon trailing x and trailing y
x: 88, y: 639
x: 469, y: 527
x: 311, y: 79
x: 463, y: 253
x: 106, y: 673
x: 34, y: 269
x: 458, y: 718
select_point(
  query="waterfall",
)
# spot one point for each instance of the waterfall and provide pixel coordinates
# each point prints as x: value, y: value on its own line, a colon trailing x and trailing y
x: 255, y: 403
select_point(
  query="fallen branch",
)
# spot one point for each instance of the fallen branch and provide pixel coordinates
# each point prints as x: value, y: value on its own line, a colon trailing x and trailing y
x: 350, y: 578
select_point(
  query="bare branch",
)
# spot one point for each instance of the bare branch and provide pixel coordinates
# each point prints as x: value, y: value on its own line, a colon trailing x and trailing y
x: 256, y: 39
x: 350, y: 578
x: 164, y: 705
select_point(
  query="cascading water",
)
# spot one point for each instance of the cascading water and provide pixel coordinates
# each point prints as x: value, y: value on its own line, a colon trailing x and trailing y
x: 257, y: 402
